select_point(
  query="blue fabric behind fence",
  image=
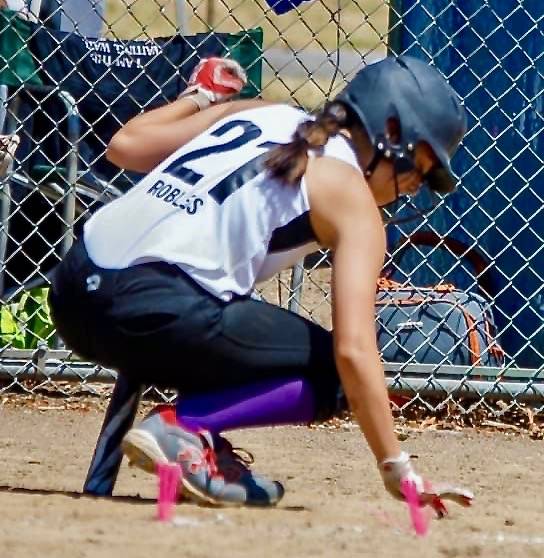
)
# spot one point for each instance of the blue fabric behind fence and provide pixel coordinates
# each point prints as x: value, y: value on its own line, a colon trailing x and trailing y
x: 493, y: 55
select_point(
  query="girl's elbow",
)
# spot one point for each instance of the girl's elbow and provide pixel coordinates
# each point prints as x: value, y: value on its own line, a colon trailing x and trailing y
x: 116, y: 150
x: 354, y: 351
x: 122, y: 151
x: 351, y: 354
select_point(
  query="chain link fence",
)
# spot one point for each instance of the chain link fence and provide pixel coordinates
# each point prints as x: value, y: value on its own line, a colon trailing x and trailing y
x: 72, y: 71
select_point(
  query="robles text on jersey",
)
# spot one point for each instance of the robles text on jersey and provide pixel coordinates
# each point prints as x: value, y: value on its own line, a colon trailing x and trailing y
x: 245, y: 132
x: 176, y: 197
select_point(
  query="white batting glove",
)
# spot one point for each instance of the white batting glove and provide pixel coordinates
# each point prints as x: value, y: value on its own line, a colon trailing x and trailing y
x: 215, y: 80
x: 396, y: 470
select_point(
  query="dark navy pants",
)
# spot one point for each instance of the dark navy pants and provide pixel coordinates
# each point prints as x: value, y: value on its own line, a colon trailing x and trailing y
x: 153, y: 322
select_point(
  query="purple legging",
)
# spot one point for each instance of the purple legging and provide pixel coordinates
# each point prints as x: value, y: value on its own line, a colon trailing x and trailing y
x: 266, y: 403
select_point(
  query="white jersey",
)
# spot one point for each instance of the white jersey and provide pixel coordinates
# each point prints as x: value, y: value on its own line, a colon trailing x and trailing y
x: 212, y: 210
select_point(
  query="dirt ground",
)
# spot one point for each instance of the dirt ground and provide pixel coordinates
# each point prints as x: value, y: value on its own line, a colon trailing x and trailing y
x: 334, y: 504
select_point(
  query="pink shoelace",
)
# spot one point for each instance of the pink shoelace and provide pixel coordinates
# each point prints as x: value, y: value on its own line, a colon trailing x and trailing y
x: 207, y: 460
x: 198, y: 460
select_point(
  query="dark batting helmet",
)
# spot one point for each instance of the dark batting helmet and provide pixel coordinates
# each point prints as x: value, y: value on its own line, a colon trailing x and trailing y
x: 424, y: 104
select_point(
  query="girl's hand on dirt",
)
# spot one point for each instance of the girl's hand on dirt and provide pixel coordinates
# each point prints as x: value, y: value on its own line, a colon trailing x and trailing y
x: 434, y: 495
x: 396, y: 470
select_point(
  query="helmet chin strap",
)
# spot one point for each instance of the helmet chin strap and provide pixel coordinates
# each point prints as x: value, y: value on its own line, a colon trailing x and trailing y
x: 417, y: 213
x: 376, y: 158
x: 378, y: 155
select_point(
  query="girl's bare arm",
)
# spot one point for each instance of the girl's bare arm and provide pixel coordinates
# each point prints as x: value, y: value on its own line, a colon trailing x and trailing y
x: 346, y: 219
x: 147, y: 139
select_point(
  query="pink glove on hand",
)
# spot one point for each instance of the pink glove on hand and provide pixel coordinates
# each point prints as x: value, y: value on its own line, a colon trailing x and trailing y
x: 395, y: 470
x: 215, y: 80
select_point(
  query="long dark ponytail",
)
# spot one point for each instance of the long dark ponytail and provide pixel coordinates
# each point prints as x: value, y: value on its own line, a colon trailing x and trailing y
x: 287, y: 162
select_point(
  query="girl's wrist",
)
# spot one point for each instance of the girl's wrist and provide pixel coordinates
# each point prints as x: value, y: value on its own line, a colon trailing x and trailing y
x: 199, y: 99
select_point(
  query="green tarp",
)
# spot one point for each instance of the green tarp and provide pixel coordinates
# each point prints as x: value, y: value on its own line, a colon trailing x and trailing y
x: 246, y: 48
x: 16, y: 63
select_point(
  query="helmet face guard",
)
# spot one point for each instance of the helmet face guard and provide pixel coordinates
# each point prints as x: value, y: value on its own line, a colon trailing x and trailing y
x: 404, y: 209
x: 425, y: 106
x: 396, y: 212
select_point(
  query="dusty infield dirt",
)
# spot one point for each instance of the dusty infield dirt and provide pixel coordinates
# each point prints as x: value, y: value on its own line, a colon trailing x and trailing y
x: 334, y: 505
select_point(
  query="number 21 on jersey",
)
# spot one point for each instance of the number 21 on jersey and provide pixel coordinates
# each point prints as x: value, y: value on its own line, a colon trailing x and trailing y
x: 236, y: 179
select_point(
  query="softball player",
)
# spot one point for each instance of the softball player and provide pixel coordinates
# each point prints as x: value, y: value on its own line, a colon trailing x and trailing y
x: 234, y: 193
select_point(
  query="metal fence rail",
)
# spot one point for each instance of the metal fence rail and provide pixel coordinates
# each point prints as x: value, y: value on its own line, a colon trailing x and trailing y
x: 488, y: 237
